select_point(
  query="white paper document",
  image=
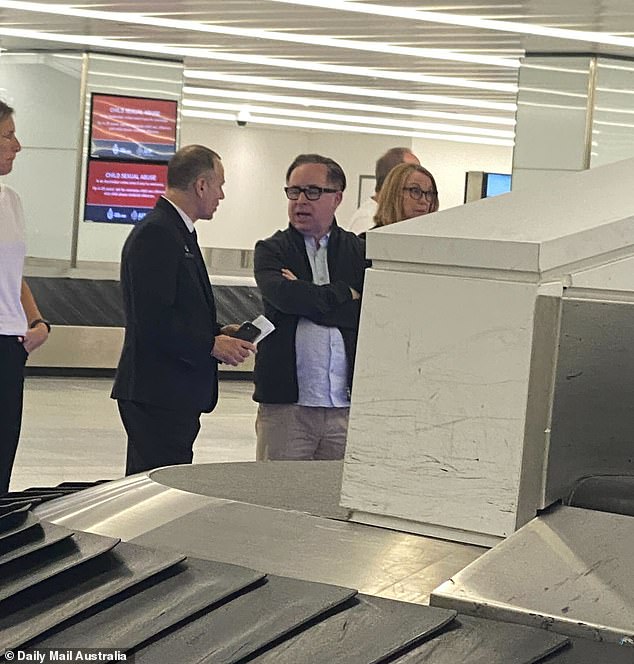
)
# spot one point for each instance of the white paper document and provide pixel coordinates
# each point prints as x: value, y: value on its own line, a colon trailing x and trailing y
x: 264, y: 325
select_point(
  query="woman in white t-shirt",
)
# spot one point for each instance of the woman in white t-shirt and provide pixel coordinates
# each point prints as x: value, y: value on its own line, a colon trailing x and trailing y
x: 22, y: 328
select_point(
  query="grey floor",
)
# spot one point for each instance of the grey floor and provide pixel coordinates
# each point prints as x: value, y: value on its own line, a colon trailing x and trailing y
x: 71, y: 431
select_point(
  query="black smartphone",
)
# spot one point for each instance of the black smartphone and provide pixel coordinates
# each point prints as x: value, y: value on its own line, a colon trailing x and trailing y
x: 247, y: 332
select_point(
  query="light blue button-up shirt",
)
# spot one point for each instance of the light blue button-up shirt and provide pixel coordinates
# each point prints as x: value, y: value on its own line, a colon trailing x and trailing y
x: 322, y: 368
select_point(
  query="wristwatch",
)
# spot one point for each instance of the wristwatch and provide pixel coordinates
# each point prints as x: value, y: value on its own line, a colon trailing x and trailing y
x: 37, y: 321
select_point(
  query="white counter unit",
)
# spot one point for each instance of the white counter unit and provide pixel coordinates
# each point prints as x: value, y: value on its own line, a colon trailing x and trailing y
x: 457, y: 359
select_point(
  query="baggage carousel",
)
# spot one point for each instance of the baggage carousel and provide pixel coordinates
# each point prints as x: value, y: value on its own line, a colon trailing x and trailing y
x: 254, y: 562
x: 88, y: 320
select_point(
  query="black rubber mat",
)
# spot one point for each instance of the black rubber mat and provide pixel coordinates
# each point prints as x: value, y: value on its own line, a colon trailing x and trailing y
x: 78, y: 486
x: 12, y: 520
x: 36, y: 496
x: 71, y: 301
x: 245, y: 624
x: 478, y: 641
x: 15, y: 528
x: 13, y: 506
x: 22, y: 500
x: 369, y: 630
x: 33, y: 540
x: 28, y: 571
x: 25, y: 616
x: 582, y: 651
x: 144, y: 611
x: 45, y: 490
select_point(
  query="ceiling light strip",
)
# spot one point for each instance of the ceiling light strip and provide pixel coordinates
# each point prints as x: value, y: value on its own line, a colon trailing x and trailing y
x: 467, y: 21
x: 324, y: 126
x: 349, y: 90
x: 344, y: 105
x: 613, y: 124
x: 609, y: 109
x: 204, y: 54
x: 317, y: 40
x: 559, y: 93
x: 348, y: 118
x: 353, y: 70
x: 558, y: 106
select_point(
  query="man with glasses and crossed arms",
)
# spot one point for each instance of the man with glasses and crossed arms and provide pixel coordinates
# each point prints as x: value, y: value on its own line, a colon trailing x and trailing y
x: 311, y: 278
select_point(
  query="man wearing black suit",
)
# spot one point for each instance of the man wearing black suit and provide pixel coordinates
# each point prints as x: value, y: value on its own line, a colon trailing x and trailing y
x: 168, y: 371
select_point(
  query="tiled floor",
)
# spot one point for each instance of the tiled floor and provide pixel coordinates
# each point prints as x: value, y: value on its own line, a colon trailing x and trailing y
x: 71, y: 431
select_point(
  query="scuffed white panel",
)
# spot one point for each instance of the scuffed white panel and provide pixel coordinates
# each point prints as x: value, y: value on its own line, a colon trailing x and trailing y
x: 439, y: 400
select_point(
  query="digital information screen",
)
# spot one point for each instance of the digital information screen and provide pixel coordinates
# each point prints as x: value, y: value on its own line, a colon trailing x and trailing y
x: 122, y: 192
x: 496, y: 184
x: 132, y: 128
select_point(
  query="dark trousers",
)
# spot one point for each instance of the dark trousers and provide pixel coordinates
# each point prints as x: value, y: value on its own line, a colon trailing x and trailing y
x: 157, y: 436
x: 12, y: 359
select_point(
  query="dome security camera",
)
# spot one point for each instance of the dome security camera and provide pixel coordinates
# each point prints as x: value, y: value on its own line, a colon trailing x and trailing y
x: 243, y: 117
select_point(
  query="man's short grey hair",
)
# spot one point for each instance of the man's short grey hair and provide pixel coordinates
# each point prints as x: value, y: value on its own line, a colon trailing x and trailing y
x: 5, y: 111
x: 188, y: 164
x: 385, y: 163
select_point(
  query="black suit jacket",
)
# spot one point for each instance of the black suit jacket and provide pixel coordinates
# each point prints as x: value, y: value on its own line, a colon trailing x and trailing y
x: 170, y: 317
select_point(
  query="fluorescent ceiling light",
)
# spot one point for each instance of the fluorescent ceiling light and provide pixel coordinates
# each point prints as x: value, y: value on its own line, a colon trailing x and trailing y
x: 349, y: 90
x: 612, y: 124
x: 467, y: 21
x: 602, y: 64
x: 353, y: 119
x: 559, y: 106
x: 324, y: 126
x: 230, y: 117
x: 608, y: 109
x: 615, y: 91
x: 562, y: 70
x: 121, y: 77
x: 287, y: 63
x: 205, y: 54
x: 329, y: 103
x: 317, y: 40
x: 559, y: 93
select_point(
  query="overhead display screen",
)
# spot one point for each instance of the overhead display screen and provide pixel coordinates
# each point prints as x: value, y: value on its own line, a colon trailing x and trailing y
x: 134, y: 128
x: 122, y: 192
x: 496, y: 184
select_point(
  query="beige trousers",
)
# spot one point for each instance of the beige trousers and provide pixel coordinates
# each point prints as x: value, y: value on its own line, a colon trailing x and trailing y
x: 292, y: 432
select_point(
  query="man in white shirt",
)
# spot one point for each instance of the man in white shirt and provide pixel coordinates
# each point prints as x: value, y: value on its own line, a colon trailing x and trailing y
x: 363, y: 219
x: 22, y: 328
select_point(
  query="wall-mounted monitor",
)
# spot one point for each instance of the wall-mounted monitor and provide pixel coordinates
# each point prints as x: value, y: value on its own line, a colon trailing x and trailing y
x: 135, y: 128
x: 122, y: 192
x: 479, y: 184
x: 496, y: 184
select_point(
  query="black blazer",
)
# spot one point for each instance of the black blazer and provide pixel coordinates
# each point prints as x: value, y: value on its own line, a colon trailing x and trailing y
x: 170, y: 317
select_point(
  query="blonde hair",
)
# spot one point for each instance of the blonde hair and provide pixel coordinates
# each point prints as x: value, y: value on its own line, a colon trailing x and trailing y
x: 390, y: 198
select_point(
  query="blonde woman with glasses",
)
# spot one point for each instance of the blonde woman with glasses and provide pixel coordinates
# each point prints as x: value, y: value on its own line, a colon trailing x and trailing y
x: 408, y: 191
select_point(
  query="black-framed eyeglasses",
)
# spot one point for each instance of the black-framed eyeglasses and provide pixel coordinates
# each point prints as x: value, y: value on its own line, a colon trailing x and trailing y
x: 312, y: 192
x: 417, y: 193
